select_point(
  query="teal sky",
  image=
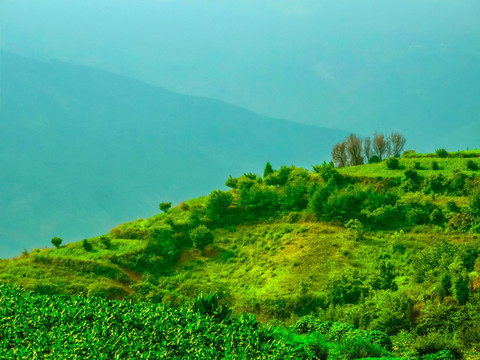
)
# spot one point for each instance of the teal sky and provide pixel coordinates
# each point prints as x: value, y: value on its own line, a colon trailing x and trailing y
x: 320, y: 62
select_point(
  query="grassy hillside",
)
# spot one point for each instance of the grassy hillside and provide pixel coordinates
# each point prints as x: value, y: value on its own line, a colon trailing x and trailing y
x: 395, y: 251
x: 97, y: 149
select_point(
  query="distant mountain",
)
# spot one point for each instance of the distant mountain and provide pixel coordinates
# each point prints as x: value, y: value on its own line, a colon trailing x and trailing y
x: 83, y: 149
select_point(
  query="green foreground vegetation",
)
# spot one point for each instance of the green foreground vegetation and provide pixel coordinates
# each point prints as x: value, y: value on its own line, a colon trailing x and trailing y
x: 387, y: 253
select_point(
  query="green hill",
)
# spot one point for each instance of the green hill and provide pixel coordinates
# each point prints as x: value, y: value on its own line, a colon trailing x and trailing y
x: 389, y: 250
x: 84, y: 149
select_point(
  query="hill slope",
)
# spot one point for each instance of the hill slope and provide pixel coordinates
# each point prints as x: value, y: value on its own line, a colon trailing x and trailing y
x: 83, y: 149
x: 398, y: 254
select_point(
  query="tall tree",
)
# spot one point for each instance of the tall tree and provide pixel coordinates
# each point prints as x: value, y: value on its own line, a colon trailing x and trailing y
x: 268, y: 170
x: 56, y: 241
x: 367, y: 148
x: 397, y: 141
x: 380, y: 145
x: 353, y: 146
x: 339, y: 155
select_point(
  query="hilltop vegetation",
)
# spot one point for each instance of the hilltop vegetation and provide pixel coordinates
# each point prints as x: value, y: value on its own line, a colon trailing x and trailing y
x: 384, y: 249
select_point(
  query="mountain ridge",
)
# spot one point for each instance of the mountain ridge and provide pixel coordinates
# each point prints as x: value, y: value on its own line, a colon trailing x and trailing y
x: 112, y: 144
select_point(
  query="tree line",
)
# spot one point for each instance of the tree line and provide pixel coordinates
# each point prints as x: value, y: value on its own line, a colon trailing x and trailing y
x: 355, y: 151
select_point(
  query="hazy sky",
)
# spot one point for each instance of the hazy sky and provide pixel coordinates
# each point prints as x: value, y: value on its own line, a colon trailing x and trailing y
x: 307, y: 61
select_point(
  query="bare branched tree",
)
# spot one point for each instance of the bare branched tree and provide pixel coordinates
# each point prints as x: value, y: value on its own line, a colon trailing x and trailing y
x: 339, y: 155
x: 380, y: 145
x: 367, y: 148
x: 353, y: 146
x: 398, y: 142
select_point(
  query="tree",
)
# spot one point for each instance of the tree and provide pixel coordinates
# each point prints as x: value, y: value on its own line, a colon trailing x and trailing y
x: 397, y: 141
x: 165, y: 206
x: 367, y: 148
x: 380, y: 145
x: 339, y: 155
x: 217, y: 204
x: 268, y: 170
x: 56, y: 241
x: 353, y: 147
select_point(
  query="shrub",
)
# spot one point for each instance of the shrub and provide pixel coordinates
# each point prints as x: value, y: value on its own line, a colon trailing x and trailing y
x: 217, y: 204
x: 379, y: 338
x: 294, y: 197
x: 165, y: 206
x: 306, y: 325
x: 356, y: 227
x: 56, y: 241
x: 432, y: 343
x: 393, y: 164
x: 374, y: 159
x: 231, y: 182
x: 338, y: 330
x: 437, y: 217
x: 435, y: 165
x: 260, y: 199
x: 278, y: 177
x: 474, y: 207
x: 441, y: 153
x: 201, y: 237
x: 472, y: 165
x: 87, y: 245
x: 456, y: 185
x: 208, y: 305
x: 435, y: 184
x: 452, y: 206
x: 354, y: 346
x: 105, y: 240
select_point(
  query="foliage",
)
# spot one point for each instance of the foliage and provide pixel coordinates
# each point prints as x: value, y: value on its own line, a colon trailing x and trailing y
x: 59, y: 327
x: 268, y: 170
x: 87, y: 245
x: 165, y: 206
x: 392, y: 163
x: 438, y: 344
x: 56, y: 241
x: 217, y: 204
x: 201, y: 237
x: 472, y: 165
x: 106, y: 241
x: 441, y: 153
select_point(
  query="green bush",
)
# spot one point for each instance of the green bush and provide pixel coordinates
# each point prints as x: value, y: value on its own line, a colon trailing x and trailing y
x: 441, y: 153
x: 433, y: 343
x: 306, y: 325
x: 354, y: 346
x: 472, y: 165
x: 441, y: 355
x: 201, y: 237
x: 392, y: 164
x: 217, y: 204
x: 374, y: 160
x: 106, y: 241
x: 338, y: 330
x: 165, y: 206
x: 435, y: 184
x: 208, y: 305
x: 56, y: 241
x: 87, y: 245
x: 435, y: 165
